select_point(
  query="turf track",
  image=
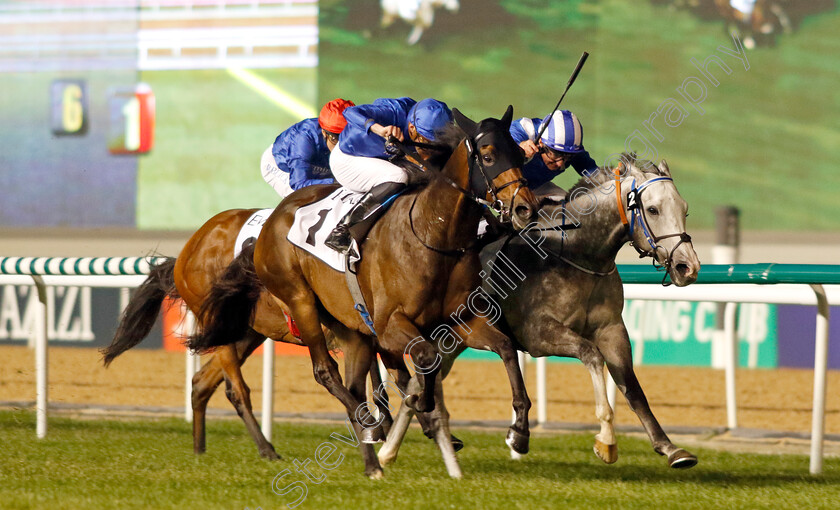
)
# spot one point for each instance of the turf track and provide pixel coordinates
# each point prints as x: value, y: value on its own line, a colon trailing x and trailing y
x: 148, y: 464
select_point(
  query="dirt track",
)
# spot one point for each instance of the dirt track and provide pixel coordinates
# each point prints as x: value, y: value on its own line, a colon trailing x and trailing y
x: 768, y: 399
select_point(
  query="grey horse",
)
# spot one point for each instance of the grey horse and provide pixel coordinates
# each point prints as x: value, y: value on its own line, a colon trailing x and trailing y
x: 560, y: 294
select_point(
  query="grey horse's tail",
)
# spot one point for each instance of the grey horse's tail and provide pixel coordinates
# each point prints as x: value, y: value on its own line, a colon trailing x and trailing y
x: 142, y: 310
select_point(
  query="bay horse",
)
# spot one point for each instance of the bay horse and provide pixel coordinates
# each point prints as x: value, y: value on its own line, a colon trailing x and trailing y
x: 562, y: 296
x: 203, y: 259
x: 419, y: 267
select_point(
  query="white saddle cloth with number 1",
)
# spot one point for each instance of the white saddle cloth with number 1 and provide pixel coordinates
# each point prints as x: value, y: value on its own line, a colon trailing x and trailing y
x: 314, y: 222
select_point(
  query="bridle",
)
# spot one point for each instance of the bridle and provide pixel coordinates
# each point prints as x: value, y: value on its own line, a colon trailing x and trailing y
x: 496, y: 204
x: 635, y: 205
x: 477, y: 180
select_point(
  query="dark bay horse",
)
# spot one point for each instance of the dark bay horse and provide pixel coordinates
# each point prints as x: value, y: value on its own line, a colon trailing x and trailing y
x: 419, y: 266
x: 203, y: 259
x: 562, y: 296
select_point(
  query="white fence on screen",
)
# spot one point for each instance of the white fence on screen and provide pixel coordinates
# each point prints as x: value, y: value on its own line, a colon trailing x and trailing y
x: 158, y: 34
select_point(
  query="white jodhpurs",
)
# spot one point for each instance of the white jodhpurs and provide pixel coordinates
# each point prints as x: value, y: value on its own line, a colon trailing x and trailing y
x: 360, y: 174
x: 276, y: 178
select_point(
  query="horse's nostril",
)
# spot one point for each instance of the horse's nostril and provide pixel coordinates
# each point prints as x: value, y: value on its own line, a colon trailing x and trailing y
x: 523, y: 211
x: 683, y: 269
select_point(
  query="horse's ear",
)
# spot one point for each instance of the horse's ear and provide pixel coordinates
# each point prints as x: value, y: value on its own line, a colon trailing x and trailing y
x: 508, y: 116
x: 464, y: 122
x: 663, y: 168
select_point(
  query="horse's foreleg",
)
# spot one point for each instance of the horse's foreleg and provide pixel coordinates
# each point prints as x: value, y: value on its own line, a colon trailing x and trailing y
x: 415, y: 35
x: 424, y: 419
x: 484, y: 336
x: 401, y: 337
x: 238, y: 392
x: 614, y: 343
x: 548, y: 337
x: 440, y: 422
x: 359, y: 359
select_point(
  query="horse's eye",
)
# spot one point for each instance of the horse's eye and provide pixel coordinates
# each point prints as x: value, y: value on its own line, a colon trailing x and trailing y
x: 487, y: 159
x: 653, y: 210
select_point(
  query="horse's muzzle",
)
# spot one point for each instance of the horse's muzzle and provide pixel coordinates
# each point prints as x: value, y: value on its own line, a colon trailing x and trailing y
x: 524, y: 208
x: 684, y: 273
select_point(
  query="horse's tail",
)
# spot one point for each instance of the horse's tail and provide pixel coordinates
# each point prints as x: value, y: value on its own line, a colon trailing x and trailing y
x: 228, y: 311
x: 142, y: 310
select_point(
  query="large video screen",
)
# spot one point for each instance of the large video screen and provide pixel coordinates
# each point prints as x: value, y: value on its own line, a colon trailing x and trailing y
x: 149, y: 114
x: 153, y: 114
x: 750, y: 120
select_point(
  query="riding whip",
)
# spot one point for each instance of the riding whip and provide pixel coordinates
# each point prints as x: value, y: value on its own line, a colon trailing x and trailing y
x: 568, y: 86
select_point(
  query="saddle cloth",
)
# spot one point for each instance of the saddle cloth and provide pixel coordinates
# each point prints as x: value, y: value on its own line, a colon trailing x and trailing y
x: 251, y: 228
x: 314, y: 222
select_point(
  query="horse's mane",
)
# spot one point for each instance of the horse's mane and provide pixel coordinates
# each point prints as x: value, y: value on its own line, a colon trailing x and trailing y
x: 606, y: 174
x: 448, y: 137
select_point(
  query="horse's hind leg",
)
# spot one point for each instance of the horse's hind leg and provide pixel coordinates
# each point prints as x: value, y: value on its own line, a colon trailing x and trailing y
x: 380, y: 396
x: 614, y: 344
x: 204, y: 384
x: 324, y: 368
x: 238, y: 392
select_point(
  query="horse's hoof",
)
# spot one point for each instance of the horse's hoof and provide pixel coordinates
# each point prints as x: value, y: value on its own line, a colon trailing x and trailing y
x: 269, y: 454
x: 386, y: 460
x: 457, y: 444
x: 606, y: 452
x: 681, y: 459
x: 517, y: 441
x: 417, y: 404
x: 372, y: 435
x: 376, y: 474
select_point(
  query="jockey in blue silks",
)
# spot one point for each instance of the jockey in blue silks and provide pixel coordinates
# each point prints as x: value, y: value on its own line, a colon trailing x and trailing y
x: 560, y: 146
x: 300, y: 155
x: 360, y: 162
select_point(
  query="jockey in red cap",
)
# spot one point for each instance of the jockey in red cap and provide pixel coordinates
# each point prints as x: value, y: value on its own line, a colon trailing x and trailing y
x: 300, y: 155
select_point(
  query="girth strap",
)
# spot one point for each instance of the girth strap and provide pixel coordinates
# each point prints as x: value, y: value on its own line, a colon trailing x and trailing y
x: 356, y: 292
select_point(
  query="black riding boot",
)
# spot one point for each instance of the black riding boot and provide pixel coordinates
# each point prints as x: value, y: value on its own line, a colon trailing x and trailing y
x: 370, y: 205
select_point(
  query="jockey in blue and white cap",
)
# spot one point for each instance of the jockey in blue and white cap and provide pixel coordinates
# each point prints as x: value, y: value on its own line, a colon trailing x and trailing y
x: 360, y: 161
x: 560, y: 146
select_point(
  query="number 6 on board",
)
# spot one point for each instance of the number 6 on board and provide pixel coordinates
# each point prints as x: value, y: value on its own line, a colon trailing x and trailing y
x: 69, y: 107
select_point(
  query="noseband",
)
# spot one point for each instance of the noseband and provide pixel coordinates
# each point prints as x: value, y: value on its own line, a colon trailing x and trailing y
x: 635, y: 205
